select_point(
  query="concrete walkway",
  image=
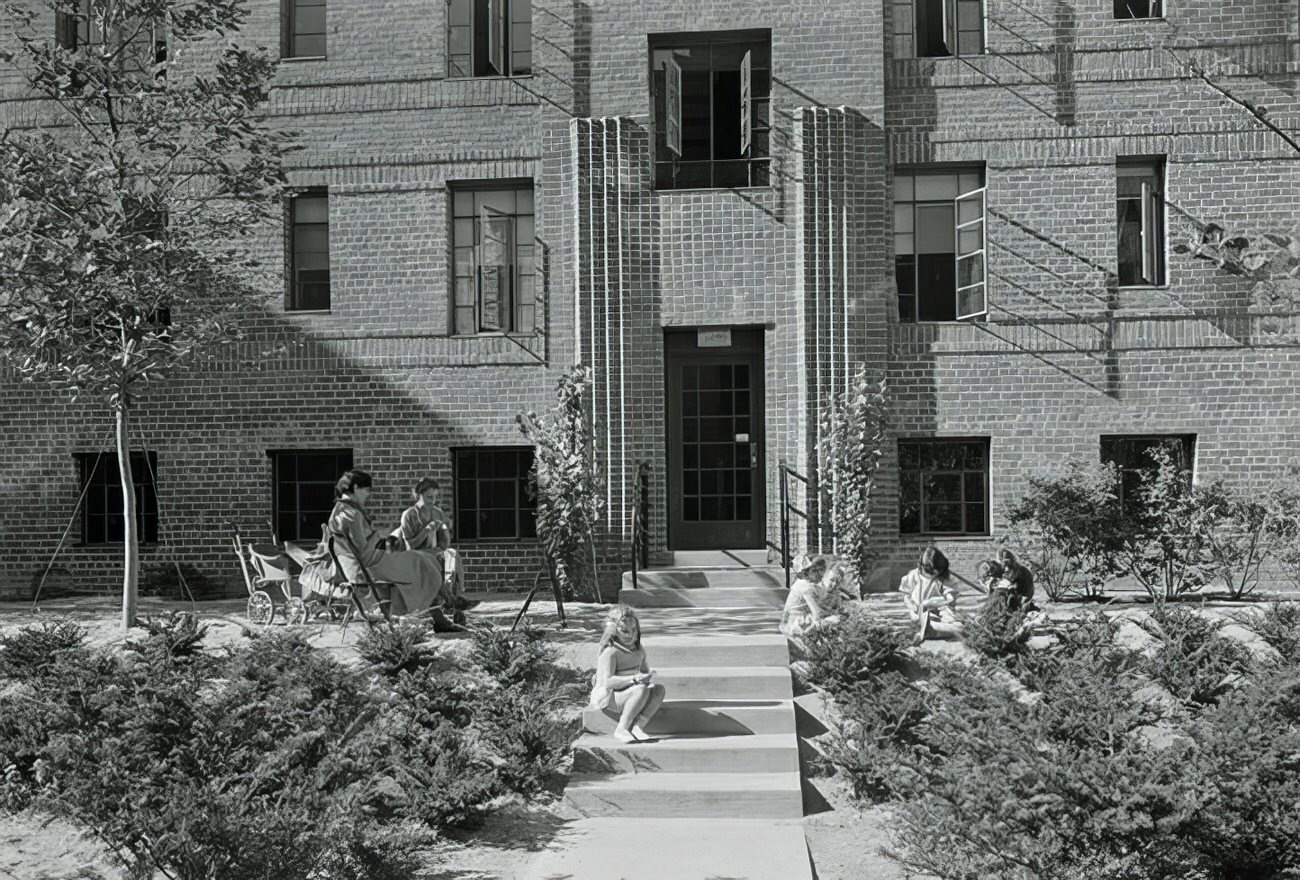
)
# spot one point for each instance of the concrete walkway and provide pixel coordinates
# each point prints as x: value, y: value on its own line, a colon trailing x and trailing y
x: 718, y: 794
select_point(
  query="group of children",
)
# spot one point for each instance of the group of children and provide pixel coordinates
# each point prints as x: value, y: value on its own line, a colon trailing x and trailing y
x: 929, y: 591
x: 624, y: 683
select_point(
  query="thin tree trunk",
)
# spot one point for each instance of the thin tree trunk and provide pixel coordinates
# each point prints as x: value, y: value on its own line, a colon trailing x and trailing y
x: 130, y: 537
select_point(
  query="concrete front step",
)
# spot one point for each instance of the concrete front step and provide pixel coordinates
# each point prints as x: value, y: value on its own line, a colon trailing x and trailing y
x: 715, y: 717
x: 685, y: 795
x: 765, y: 753
x: 730, y: 597
x: 703, y: 579
x: 719, y: 558
x: 675, y: 849
x: 736, y: 683
x: 668, y: 652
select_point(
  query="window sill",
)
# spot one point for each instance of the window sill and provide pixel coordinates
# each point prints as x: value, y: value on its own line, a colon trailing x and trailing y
x: 493, y: 335
x: 487, y: 542
x: 1124, y: 287
x: 493, y: 76
x: 1138, y: 20
x: 308, y: 311
x: 294, y: 59
x: 699, y: 189
x: 117, y: 545
x: 944, y: 536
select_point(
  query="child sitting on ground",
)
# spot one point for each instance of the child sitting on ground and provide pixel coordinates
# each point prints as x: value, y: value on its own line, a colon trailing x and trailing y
x: 993, y: 581
x: 930, y: 594
x: 802, y: 604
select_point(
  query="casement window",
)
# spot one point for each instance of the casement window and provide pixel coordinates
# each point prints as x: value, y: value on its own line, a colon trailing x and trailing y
x: 302, y: 28
x: 492, y: 495
x: 302, y: 482
x: 1140, y: 221
x: 711, y: 98
x: 939, y: 244
x: 489, y: 38
x: 85, y: 27
x: 102, y: 521
x: 309, y: 251
x: 1131, y: 453
x: 943, y: 487
x: 1135, y: 9
x: 494, y: 275
x: 938, y: 28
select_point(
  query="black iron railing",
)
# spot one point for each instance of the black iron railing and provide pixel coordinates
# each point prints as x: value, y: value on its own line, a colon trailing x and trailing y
x: 640, y: 519
x: 788, y: 507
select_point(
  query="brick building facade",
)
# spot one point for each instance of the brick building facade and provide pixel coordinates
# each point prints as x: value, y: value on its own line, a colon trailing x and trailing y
x: 722, y: 241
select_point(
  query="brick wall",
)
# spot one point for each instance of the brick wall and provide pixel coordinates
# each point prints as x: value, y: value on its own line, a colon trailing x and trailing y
x: 1066, y: 354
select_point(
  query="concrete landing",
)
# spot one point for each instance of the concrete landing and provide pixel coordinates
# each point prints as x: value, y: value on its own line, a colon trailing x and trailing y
x: 676, y: 849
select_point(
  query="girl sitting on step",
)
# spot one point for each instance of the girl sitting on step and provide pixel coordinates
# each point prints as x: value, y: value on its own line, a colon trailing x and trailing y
x: 816, y: 596
x: 624, y: 679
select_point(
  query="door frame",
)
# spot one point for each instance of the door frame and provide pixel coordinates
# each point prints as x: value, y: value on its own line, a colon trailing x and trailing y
x: 748, y: 342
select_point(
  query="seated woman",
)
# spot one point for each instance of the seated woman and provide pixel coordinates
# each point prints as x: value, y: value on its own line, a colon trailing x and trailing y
x: 930, y: 594
x: 417, y: 581
x: 426, y: 529
x: 624, y: 679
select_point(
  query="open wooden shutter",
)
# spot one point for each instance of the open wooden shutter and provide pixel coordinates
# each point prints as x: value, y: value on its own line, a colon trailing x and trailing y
x: 495, y: 261
x: 972, y: 290
x: 673, y: 106
x: 746, y: 103
x: 1152, y: 235
x: 498, y: 21
x: 950, y: 40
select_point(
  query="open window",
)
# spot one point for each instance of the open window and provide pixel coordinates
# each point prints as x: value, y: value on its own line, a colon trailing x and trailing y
x: 1138, y: 9
x: 489, y: 38
x: 1140, y: 221
x: 494, y: 284
x: 937, y: 28
x: 940, y: 244
x: 711, y: 99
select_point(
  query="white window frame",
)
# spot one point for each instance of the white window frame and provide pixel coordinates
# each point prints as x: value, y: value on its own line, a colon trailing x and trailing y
x: 978, y: 225
x: 1154, y: 268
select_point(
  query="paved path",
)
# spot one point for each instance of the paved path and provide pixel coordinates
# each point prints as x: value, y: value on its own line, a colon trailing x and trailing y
x: 718, y: 794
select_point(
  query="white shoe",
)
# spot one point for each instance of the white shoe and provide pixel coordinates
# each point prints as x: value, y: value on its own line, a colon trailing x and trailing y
x: 624, y: 736
x: 639, y: 732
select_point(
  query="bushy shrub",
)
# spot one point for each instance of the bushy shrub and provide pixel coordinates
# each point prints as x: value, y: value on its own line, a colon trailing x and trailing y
x: 1238, y: 541
x: 1282, y: 501
x: 1165, y: 548
x: 27, y: 651
x: 995, y: 630
x: 1279, y: 626
x: 512, y: 657
x: 843, y: 654
x: 875, y: 722
x: 525, y: 729
x: 175, y: 637
x: 1066, y: 528
x: 1191, y: 660
x: 1087, y: 640
x: 404, y: 647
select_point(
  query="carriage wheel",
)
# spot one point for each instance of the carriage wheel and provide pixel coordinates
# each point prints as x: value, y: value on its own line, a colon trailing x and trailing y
x: 260, y: 608
x: 295, y: 611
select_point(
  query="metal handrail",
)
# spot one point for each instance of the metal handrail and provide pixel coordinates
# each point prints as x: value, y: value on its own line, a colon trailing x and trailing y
x: 788, y: 507
x: 640, y: 518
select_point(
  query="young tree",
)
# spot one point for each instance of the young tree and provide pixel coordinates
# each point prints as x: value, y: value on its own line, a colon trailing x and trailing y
x: 566, y: 480
x: 124, y: 222
x: 853, y: 440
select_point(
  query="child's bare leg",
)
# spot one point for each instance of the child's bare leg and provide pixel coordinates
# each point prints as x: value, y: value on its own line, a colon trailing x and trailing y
x: 657, y: 692
x: 637, y: 697
x: 922, y: 628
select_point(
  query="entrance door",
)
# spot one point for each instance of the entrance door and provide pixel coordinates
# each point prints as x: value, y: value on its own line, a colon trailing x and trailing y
x: 715, y: 439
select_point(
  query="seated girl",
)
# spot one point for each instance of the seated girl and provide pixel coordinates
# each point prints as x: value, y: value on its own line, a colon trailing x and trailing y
x: 930, y: 594
x: 816, y: 596
x: 418, y: 584
x: 624, y: 680
x: 426, y: 529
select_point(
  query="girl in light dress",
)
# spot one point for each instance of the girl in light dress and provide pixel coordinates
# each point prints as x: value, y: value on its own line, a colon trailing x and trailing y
x: 816, y: 596
x: 930, y: 594
x: 624, y: 680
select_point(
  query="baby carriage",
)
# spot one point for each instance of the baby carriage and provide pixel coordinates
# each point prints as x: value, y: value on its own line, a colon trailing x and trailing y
x: 273, y: 587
